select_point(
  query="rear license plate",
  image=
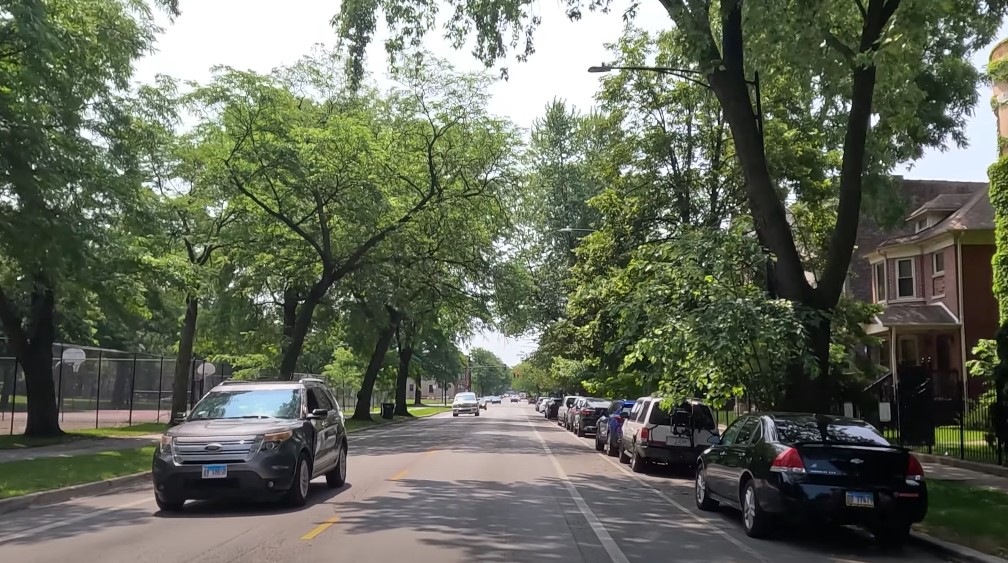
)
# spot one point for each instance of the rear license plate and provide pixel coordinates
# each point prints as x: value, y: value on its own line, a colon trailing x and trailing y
x: 677, y: 441
x: 860, y: 500
x: 214, y: 471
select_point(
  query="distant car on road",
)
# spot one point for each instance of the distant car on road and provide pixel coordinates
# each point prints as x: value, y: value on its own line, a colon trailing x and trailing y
x: 514, y: 398
x: 253, y: 439
x: 495, y: 399
x: 465, y: 403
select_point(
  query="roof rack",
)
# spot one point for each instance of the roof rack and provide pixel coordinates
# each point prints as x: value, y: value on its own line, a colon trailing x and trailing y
x: 311, y: 379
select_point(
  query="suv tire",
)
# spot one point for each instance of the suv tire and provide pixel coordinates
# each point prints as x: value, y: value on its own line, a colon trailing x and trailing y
x: 297, y: 495
x: 336, y: 477
x: 623, y: 457
x: 702, y: 491
x: 637, y: 462
x: 169, y: 504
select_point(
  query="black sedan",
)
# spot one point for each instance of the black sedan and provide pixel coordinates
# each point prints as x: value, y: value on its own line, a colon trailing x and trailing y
x: 812, y: 468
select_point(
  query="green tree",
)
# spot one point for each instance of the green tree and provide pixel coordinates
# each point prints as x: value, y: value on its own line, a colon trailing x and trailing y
x: 856, y: 87
x: 69, y: 170
x: 490, y: 375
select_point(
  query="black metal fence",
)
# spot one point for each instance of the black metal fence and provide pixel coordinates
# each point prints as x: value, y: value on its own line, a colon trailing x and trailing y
x: 100, y: 387
x: 940, y: 414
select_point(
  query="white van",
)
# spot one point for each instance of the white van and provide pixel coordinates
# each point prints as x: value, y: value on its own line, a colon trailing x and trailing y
x: 652, y: 434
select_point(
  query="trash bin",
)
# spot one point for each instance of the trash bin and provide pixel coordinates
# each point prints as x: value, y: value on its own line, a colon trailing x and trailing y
x: 387, y: 409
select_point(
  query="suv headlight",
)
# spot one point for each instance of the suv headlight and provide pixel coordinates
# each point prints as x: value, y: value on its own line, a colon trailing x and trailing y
x: 273, y: 440
x: 166, y: 443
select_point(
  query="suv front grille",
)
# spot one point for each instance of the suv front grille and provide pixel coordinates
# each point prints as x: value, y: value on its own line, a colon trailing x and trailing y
x: 232, y: 449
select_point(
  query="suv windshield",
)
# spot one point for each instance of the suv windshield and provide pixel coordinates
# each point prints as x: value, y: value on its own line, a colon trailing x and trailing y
x: 465, y: 397
x: 248, y: 403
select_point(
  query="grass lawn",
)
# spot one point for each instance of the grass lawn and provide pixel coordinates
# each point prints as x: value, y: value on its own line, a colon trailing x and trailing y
x: 972, y: 516
x: 417, y: 412
x: 18, y: 441
x: 30, y: 476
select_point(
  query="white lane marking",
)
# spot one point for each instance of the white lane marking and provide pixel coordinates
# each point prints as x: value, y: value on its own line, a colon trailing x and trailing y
x: 615, y: 554
x: 75, y: 519
x: 710, y: 523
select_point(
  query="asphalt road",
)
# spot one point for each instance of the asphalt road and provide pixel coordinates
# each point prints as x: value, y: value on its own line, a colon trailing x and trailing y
x: 507, y: 486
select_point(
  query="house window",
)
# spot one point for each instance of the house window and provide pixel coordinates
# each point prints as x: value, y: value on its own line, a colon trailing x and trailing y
x: 939, y: 263
x: 906, y: 278
x: 907, y: 350
x: 922, y: 224
x: 880, y: 282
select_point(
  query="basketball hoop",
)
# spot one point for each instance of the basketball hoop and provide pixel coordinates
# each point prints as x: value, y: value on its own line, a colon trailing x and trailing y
x: 75, y: 357
x: 205, y: 369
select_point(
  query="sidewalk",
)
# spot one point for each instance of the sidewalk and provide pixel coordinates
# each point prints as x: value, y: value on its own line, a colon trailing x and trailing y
x: 964, y: 476
x: 78, y: 447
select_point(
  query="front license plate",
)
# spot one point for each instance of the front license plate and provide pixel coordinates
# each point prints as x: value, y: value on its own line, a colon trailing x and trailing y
x: 214, y: 471
x: 677, y: 441
x: 860, y: 500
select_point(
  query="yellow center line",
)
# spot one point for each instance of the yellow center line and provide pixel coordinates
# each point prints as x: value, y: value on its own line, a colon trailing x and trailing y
x: 320, y: 528
x: 399, y: 475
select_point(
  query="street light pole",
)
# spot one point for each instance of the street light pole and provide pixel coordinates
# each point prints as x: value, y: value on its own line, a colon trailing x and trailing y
x: 685, y: 74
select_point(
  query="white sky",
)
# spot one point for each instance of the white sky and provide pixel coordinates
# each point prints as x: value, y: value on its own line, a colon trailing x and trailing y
x: 259, y: 35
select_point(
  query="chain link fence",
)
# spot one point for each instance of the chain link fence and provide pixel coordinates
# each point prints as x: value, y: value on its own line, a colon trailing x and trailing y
x: 101, y: 387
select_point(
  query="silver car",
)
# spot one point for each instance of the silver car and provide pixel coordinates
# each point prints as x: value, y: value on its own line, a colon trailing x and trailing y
x: 465, y: 403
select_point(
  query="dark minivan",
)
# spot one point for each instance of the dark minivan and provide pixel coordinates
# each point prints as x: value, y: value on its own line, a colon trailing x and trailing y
x: 812, y: 468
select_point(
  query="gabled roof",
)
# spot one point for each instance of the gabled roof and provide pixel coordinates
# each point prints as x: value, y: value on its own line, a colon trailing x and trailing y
x: 975, y: 214
x: 942, y: 202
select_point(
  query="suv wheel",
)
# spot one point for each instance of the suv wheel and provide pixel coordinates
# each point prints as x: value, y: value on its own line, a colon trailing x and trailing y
x: 613, y: 447
x: 623, y: 457
x: 599, y: 446
x: 637, y: 462
x: 169, y: 504
x: 337, y: 475
x: 580, y: 429
x: 297, y: 495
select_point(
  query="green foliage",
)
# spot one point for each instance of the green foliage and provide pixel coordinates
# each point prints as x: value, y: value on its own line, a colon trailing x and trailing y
x: 490, y: 375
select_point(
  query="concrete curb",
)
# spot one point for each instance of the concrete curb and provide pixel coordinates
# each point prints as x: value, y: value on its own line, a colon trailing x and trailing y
x: 956, y: 551
x: 987, y: 468
x: 56, y: 496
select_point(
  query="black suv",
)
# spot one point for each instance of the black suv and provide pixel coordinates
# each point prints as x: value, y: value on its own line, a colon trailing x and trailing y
x: 253, y: 439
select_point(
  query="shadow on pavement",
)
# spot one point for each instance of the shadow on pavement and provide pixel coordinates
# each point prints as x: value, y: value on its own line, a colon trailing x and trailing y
x: 83, y: 517
x: 318, y: 493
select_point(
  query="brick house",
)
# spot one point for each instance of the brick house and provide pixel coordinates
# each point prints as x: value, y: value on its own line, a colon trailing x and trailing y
x: 933, y: 277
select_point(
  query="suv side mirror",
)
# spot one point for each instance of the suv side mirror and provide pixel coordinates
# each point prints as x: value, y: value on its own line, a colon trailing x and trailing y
x: 318, y: 413
x: 714, y: 440
x: 177, y: 419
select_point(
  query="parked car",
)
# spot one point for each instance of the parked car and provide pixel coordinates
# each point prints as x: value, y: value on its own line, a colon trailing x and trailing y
x: 465, y: 403
x: 531, y: 400
x: 252, y: 439
x: 552, y: 408
x: 495, y: 399
x: 653, y: 434
x: 483, y: 403
x: 565, y: 405
x: 609, y: 425
x: 586, y: 414
x: 793, y: 466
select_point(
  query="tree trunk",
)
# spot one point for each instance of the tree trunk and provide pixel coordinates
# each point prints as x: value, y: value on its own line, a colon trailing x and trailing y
x: 296, y: 339
x: 36, y: 363
x: 801, y: 392
x: 402, y: 378
x: 363, y: 409
x: 121, y: 385
x: 417, y: 395
x: 7, y: 386
x: 184, y: 358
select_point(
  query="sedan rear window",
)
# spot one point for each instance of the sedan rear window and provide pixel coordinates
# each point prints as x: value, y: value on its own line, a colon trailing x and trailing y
x: 792, y: 430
